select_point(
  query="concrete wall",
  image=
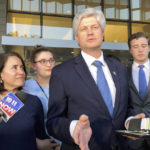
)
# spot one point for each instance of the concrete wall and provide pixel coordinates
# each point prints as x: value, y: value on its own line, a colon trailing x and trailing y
x: 3, y: 14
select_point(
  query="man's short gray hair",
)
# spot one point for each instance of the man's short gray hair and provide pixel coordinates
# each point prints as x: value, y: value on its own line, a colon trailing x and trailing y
x: 87, y: 13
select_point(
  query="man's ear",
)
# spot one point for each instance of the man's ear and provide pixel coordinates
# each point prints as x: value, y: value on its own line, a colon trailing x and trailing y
x: 130, y: 51
x: 76, y: 38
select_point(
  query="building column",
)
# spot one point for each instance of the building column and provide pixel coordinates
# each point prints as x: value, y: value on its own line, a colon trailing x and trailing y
x: 3, y: 14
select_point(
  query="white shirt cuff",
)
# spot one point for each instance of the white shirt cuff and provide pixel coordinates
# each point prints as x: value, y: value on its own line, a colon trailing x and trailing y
x: 72, y: 126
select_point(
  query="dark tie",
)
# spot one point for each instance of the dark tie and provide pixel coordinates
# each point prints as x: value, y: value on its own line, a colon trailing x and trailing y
x: 142, y: 82
x: 103, y: 87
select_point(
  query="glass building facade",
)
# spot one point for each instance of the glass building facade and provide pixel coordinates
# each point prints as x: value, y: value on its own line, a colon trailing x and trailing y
x: 51, y: 21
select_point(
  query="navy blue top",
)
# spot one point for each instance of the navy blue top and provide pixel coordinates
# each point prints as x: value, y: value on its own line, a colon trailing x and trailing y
x: 20, y: 132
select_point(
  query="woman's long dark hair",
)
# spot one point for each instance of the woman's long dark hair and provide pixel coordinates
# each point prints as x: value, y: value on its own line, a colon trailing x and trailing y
x: 3, y: 59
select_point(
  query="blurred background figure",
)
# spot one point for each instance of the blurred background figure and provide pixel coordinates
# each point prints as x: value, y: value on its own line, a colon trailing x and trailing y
x: 21, y: 131
x: 43, y: 61
x: 139, y: 85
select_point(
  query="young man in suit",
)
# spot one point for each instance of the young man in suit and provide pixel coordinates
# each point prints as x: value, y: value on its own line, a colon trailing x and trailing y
x: 139, y: 86
x: 76, y: 89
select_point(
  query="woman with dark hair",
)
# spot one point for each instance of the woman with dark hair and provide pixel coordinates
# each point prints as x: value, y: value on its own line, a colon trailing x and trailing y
x: 4, y: 58
x: 21, y: 131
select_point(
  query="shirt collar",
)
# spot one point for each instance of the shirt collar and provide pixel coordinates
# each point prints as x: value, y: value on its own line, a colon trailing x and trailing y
x: 90, y: 59
x: 146, y: 65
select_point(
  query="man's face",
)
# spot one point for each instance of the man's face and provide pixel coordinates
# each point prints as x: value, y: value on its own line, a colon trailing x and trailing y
x: 140, y: 50
x: 90, y: 35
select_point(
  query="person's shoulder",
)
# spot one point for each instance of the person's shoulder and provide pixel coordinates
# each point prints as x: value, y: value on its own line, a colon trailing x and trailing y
x: 30, y: 86
x: 29, y: 81
x: 65, y: 65
x: 33, y: 103
x: 32, y: 98
x: 115, y: 62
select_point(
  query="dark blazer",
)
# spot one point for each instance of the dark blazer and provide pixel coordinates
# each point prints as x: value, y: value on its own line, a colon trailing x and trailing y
x: 138, y: 105
x: 20, y: 132
x: 73, y: 92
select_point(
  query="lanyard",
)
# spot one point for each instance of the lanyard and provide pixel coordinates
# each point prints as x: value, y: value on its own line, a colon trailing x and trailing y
x: 41, y: 89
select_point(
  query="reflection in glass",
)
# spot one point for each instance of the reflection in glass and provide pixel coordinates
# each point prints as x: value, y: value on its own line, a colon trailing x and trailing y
x: 24, y: 5
x: 14, y: 5
x: 31, y: 5
x: 135, y: 4
x: 121, y: 55
x: 49, y: 6
x: 116, y: 32
x: 117, y: 9
x: 140, y: 10
x: 23, y: 25
x: 57, y: 28
x: 81, y: 4
x: 64, y: 54
x: 141, y: 28
x: 63, y: 7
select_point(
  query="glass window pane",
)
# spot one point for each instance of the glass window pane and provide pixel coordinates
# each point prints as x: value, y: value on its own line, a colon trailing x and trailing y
x: 24, y: 5
x: 23, y: 25
x: 57, y: 28
x: 116, y: 32
x: 49, y: 6
x: 141, y: 28
x: 31, y: 5
x: 14, y: 5
x: 140, y: 10
x: 116, y: 9
x: 63, y: 7
x: 81, y: 4
x: 122, y: 55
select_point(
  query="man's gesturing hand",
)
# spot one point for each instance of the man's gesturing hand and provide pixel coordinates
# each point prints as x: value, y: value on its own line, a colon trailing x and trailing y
x: 82, y: 132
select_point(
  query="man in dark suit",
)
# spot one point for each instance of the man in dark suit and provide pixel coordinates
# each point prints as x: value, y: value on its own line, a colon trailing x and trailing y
x: 75, y: 90
x: 139, y: 98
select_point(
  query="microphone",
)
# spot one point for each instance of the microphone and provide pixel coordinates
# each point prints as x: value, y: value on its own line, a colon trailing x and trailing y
x: 11, y: 104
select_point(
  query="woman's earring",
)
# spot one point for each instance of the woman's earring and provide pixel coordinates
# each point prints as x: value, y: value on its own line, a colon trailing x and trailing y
x: 1, y: 81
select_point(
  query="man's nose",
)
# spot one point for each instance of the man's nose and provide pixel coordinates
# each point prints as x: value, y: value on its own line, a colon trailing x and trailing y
x: 90, y: 31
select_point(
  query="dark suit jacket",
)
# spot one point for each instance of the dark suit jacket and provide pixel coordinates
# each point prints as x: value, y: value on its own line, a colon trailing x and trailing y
x: 73, y: 92
x: 138, y: 105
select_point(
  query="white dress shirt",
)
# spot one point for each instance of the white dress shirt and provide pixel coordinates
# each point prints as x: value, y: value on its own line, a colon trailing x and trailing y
x: 135, y: 77
x: 135, y: 73
x: 93, y: 69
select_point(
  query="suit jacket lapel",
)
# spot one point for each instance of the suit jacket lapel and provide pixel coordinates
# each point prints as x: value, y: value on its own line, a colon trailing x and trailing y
x: 132, y: 85
x: 85, y: 74
x: 116, y: 78
x: 148, y: 89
